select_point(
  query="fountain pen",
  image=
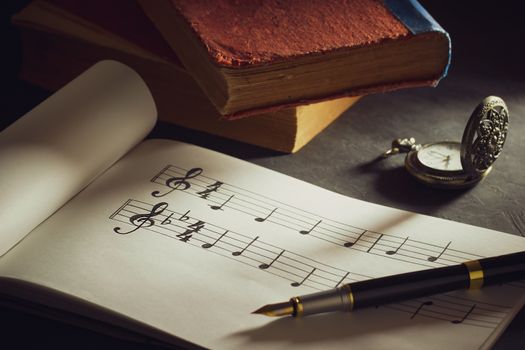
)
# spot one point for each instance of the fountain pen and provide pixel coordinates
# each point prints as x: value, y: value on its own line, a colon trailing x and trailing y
x: 471, y: 275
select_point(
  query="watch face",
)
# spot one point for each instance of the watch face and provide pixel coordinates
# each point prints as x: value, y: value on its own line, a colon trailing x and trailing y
x: 444, y: 156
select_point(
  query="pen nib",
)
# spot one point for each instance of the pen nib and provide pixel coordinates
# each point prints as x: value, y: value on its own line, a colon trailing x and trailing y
x: 279, y: 309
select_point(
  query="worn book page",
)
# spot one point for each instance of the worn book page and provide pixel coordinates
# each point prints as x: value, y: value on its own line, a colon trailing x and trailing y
x: 191, y: 241
x: 51, y: 153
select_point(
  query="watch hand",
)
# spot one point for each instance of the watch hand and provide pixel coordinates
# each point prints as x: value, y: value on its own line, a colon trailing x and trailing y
x: 447, y: 161
x: 438, y: 153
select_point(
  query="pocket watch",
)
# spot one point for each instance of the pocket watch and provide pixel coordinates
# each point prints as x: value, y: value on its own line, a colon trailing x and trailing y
x: 449, y: 164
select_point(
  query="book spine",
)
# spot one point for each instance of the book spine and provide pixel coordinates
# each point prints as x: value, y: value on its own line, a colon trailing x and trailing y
x: 418, y: 21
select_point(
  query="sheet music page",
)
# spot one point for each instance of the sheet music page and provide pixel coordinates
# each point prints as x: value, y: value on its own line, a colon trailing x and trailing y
x: 191, y: 241
x: 56, y: 149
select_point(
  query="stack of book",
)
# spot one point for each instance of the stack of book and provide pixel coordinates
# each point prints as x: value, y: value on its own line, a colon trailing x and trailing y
x: 273, y: 74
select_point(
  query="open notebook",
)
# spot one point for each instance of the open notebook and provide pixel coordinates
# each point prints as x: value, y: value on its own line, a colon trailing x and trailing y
x: 181, y: 244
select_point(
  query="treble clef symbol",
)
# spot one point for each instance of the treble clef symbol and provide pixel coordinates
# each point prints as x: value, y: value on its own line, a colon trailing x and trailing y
x: 144, y: 220
x: 179, y: 182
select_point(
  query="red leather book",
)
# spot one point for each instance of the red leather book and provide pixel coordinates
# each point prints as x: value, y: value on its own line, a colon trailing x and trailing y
x: 62, y: 38
x: 250, y: 56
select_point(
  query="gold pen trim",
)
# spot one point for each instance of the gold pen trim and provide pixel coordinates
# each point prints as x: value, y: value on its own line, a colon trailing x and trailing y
x: 349, y: 296
x: 297, y: 306
x: 475, y: 274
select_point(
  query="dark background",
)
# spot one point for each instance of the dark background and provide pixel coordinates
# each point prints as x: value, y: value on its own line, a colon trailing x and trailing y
x: 488, y: 59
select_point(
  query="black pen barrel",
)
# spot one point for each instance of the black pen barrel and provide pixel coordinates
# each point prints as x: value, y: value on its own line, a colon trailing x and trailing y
x: 470, y: 274
x: 483, y: 272
x: 408, y: 285
x: 505, y: 268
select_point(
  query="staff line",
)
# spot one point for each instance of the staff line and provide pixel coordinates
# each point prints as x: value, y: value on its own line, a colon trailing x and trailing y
x: 422, y: 314
x: 479, y: 304
x: 220, y: 230
x: 463, y: 309
x: 198, y: 238
x: 367, y: 251
x: 329, y: 282
x: 320, y: 217
x: 218, y: 233
x: 271, y: 252
x: 466, y: 309
x: 392, y: 236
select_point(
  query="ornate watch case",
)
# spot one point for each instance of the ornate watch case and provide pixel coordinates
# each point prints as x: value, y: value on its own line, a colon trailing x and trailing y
x: 460, y: 165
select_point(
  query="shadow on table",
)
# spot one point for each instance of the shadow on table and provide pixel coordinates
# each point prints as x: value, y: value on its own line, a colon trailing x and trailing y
x: 376, y: 327
x: 396, y: 184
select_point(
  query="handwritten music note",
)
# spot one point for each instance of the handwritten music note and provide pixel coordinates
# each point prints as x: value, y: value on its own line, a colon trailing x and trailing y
x: 297, y: 284
x: 425, y: 303
x: 251, y: 203
x: 435, y: 258
x: 264, y: 266
x: 259, y: 219
x: 350, y: 244
x: 305, y: 232
x: 292, y: 266
x: 393, y: 252
x: 219, y: 207
x: 239, y: 252
x: 179, y: 182
x: 209, y: 245
x: 465, y: 316
x: 143, y: 220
